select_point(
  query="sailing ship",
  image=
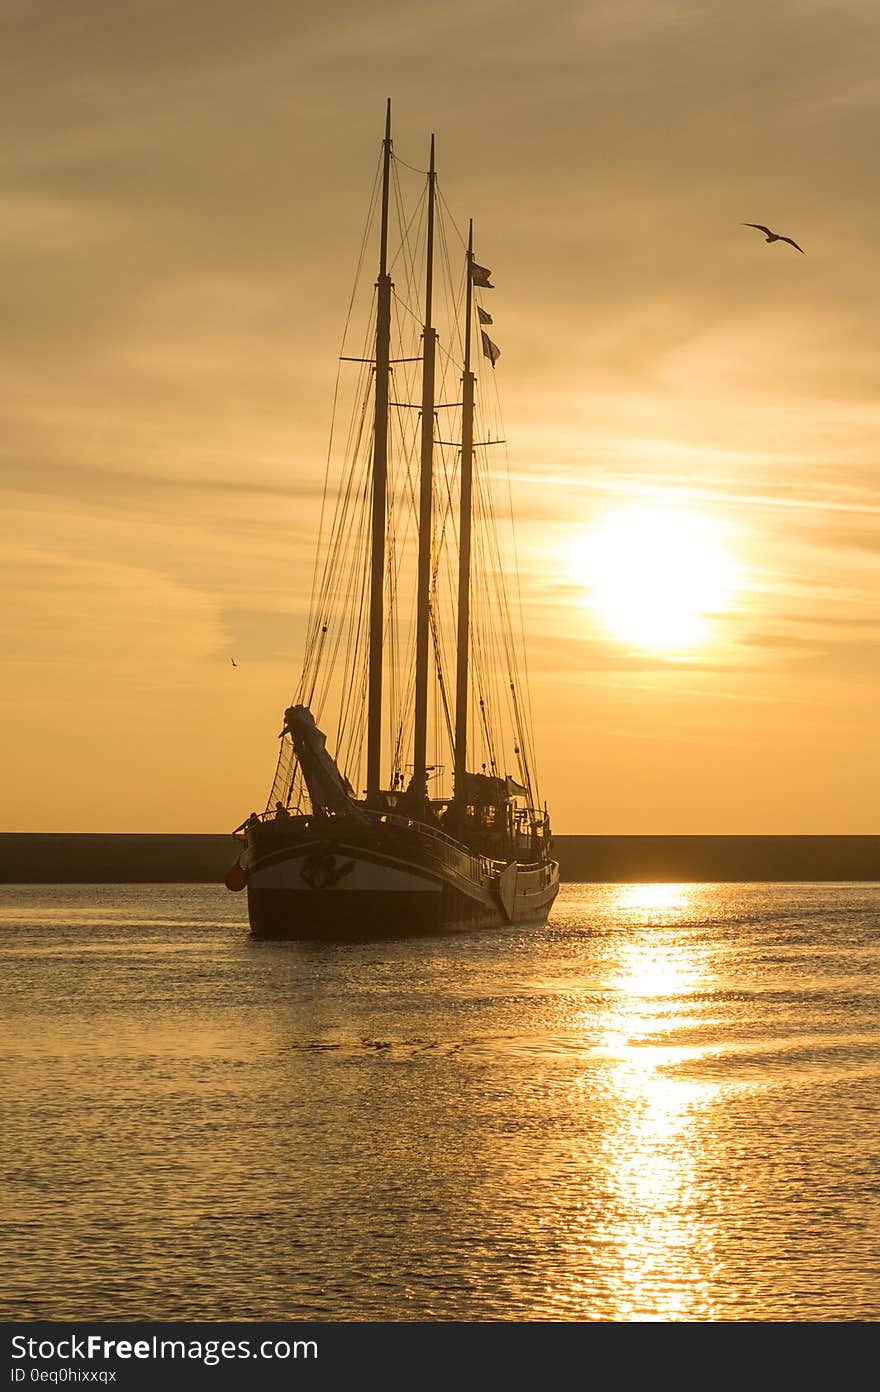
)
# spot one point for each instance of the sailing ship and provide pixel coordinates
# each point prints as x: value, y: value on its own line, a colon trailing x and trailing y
x: 425, y: 817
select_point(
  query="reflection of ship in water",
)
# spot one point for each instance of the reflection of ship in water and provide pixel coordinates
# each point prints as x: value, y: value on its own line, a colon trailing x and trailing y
x: 410, y: 640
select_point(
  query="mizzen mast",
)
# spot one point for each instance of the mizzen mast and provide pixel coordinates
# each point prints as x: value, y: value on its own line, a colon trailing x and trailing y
x: 464, y: 535
x: 426, y: 485
x: 380, y: 483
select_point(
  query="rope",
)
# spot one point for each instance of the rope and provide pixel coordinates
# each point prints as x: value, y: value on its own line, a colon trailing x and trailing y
x: 335, y: 667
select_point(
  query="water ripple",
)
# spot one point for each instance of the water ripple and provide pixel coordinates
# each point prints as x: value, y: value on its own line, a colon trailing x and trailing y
x: 662, y: 1106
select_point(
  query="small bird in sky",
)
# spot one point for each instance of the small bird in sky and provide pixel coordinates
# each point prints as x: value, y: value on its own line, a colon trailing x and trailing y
x: 773, y: 236
x: 233, y: 661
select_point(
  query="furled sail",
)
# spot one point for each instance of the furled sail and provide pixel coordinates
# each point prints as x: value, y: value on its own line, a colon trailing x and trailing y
x: 328, y: 790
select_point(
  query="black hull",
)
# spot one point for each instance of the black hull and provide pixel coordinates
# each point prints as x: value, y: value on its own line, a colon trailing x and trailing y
x: 280, y: 914
x: 385, y: 882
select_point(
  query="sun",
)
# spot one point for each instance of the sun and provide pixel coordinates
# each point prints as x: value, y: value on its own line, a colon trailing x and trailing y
x: 657, y: 576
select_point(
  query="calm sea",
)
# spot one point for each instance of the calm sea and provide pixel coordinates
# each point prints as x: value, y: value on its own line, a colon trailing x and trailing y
x: 665, y: 1105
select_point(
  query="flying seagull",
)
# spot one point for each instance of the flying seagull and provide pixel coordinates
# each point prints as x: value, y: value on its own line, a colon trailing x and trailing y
x: 773, y: 236
x: 233, y: 661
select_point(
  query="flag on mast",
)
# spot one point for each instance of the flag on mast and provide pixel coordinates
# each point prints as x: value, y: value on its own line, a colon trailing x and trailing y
x: 480, y: 276
x: 490, y: 349
x: 484, y: 316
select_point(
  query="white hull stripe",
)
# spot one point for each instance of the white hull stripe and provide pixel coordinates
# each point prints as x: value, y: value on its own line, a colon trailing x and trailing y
x: 338, y: 873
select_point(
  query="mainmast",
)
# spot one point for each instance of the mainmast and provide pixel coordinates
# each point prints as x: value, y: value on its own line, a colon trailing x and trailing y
x: 464, y: 535
x: 380, y: 482
x: 423, y: 584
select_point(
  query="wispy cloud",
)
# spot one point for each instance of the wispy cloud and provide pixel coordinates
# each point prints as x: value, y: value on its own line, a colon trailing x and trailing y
x: 182, y: 191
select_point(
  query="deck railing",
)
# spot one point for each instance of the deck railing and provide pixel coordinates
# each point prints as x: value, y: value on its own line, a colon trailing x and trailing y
x: 429, y: 834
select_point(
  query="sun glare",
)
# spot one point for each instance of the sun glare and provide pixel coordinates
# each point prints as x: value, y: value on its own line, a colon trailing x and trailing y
x: 657, y: 576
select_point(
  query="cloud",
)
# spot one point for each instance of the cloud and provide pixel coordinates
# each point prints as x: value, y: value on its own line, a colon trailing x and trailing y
x: 180, y: 218
x: 100, y: 627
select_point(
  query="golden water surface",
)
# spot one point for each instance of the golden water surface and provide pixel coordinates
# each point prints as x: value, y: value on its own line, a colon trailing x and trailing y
x: 662, y: 1106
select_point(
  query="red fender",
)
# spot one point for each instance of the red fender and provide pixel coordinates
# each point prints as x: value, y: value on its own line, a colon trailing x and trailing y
x: 236, y: 877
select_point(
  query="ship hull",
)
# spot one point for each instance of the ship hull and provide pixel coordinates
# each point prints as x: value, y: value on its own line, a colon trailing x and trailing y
x: 392, y: 884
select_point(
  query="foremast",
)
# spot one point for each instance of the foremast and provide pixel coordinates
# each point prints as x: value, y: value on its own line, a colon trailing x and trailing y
x: 380, y: 484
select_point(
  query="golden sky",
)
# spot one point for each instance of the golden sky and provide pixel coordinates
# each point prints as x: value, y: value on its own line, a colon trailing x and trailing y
x: 183, y: 191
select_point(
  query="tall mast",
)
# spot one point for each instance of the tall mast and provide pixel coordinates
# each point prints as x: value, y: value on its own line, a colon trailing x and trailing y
x: 423, y: 584
x: 380, y: 482
x: 464, y: 534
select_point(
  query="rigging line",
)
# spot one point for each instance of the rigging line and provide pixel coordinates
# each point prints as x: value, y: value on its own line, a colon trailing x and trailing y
x: 407, y: 250
x: 449, y: 456
x: 487, y: 701
x: 398, y: 160
x: 483, y: 665
x: 456, y: 296
x: 406, y: 309
x: 434, y: 602
x: 489, y: 500
x: 339, y: 534
x: 491, y: 707
x: 297, y: 789
x: 336, y: 584
x: 405, y: 226
x: 355, y: 761
x: 522, y: 758
x: 408, y: 245
x: 402, y: 678
x: 367, y: 225
x: 496, y: 571
x: 455, y: 225
x: 353, y: 446
x: 318, y: 612
x: 520, y: 733
x: 449, y: 576
x: 355, y: 642
x: 408, y: 452
x: 335, y: 546
x: 355, y: 591
x: 374, y: 197
x: 514, y: 537
x: 355, y: 659
x: 448, y: 643
x: 447, y: 517
x: 337, y: 531
x: 450, y: 358
x: 450, y: 370
x: 405, y: 496
x: 404, y: 399
x: 405, y: 624
x: 441, y: 683
x: 493, y: 577
x: 344, y: 643
x: 413, y: 265
x: 440, y: 760
x: 339, y: 634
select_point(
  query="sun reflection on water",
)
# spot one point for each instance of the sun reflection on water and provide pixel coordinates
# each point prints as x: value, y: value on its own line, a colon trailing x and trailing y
x: 660, y: 902
x: 652, y: 961
x: 663, y: 1249
x: 653, y: 1230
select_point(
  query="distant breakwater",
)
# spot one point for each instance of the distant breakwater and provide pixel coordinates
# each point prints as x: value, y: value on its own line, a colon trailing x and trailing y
x: 95, y: 858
